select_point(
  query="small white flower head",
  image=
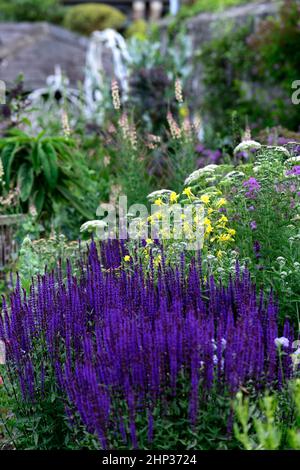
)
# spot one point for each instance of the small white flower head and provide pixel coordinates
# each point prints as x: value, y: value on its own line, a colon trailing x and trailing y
x: 234, y: 174
x: 92, y: 225
x: 282, y: 341
x: 296, y: 358
x: 193, y: 177
x: 247, y: 145
x: 159, y: 194
x: 293, y: 160
x: 279, y: 149
x: 215, y: 359
x: 224, y: 343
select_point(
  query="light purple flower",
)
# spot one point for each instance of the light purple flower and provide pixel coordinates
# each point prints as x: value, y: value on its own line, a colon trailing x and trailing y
x: 252, y: 186
x: 282, y: 341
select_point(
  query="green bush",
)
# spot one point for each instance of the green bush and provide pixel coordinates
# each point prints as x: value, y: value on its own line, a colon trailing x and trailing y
x: 252, y: 73
x: 137, y: 29
x: 30, y: 10
x: 271, y: 422
x: 46, y: 171
x: 190, y: 10
x: 91, y: 17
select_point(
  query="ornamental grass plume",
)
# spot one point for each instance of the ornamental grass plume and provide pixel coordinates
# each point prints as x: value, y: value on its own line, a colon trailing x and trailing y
x: 120, y: 341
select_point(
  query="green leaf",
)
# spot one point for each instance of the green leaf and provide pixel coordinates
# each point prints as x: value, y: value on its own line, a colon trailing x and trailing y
x: 25, y: 181
x: 36, y: 158
x: 74, y: 202
x: 39, y: 199
x: 7, y: 155
x: 49, y: 163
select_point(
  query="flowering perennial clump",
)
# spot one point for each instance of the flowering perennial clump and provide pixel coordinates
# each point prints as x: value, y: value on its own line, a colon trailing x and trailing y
x: 120, y: 339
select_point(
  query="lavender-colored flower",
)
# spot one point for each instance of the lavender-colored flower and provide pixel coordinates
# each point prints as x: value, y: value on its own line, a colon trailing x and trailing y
x: 252, y: 187
x: 282, y: 341
x: 253, y: 225
x: 294, y: 171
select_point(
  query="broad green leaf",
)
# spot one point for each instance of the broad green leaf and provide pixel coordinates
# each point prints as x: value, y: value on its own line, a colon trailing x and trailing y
x: 25, y: 181
x: 36, y: 158
x: 48, y: 159
x: 39, y: 199
x: 7, y: 156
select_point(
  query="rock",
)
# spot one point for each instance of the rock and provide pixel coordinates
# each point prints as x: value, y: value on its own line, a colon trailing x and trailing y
x: 34, y: 49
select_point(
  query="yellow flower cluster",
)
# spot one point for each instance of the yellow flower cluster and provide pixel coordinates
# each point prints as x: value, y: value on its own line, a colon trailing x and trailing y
x: 209, y: 225
x: 216, y: 224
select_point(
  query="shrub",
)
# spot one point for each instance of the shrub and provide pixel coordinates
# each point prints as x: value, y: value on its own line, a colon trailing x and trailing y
x: 262, y: 206
x: 92, y: 17
x: 193, y: 8
x: 251, y: 73
x: 137, y: 29
x: 30, y: 10
x: 45, y: 170
x: 264, y: 426
x: 119, y: 347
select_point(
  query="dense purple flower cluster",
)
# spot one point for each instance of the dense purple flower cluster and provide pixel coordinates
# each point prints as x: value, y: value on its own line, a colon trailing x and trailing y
x: 252, y: 186
x: 118, y: 338
x: 208, y: 155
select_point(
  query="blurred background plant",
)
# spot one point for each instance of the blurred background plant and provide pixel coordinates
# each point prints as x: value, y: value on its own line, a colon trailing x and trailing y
x: 31, y: 10
x: 271, y: 422
x: 249, y: 75
x: 89, y: 17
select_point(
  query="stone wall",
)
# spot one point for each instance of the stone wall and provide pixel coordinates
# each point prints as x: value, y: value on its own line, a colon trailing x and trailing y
x: 35, y: 49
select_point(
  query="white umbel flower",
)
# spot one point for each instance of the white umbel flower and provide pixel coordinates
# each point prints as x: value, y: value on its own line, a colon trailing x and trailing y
x: 92, y: 225
x: 193, y: 177
x: 280, y: 149
x: 293, y: 160
x: 159, y: 193
x: 247, y: 145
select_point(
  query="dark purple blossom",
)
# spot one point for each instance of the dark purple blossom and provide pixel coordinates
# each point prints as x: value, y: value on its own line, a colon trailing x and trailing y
x: 257, y: 248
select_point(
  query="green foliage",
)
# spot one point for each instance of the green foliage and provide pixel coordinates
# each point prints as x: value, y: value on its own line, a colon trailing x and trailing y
x: 276, y: 43
x: 30, y: 10
x: 41, y: 425
x: 91, y: 17
x: 45, y: 170
x: 45, y: 253
x: 251, y: 73
x: 152, y: 76
x: 261, y: 426
x: 137, y: 29
x: 198, y: 6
